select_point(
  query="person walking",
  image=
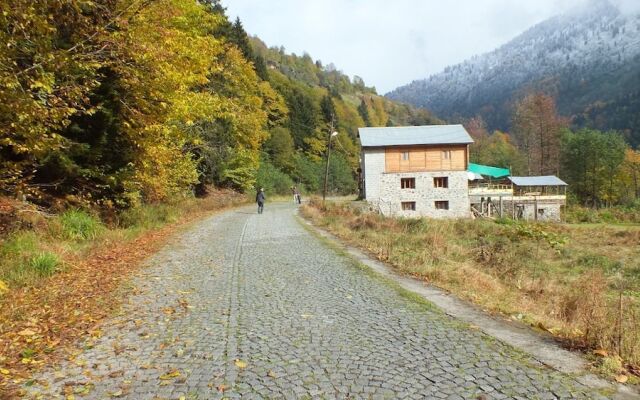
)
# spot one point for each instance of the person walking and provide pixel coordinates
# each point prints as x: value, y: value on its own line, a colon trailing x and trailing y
x: 260, y: 199
x: 296, y: 195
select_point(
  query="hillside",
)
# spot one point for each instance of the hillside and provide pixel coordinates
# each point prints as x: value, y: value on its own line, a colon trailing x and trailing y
x: 318, y: 97
x: 588, y: 58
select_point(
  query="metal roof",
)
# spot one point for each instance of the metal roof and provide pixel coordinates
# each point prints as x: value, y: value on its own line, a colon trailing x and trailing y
x: 412, y: 135
x: 487, y: 170
x: 549, y: 180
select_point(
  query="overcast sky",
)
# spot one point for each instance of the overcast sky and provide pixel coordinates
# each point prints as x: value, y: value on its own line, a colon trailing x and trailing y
x: 392, y: 42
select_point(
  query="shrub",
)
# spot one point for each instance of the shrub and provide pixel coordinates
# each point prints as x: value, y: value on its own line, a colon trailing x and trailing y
x: 78, y: 225
x: 44, y: 264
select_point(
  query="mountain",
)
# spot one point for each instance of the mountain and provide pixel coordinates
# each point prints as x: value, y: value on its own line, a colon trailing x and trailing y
x: 589, y: 59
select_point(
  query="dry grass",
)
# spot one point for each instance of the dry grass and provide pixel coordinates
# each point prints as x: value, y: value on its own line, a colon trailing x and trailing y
x: 579, y: 283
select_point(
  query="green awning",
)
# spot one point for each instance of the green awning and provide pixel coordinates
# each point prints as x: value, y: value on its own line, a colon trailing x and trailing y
x: 485, y: 170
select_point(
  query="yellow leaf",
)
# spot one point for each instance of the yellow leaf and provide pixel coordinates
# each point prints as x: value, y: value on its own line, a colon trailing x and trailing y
x: 4, y: 288
x: 26, y: 332
x: 241, y: 364
x: 4, y: 371
x: 622, y: 378
x: 170, y: 375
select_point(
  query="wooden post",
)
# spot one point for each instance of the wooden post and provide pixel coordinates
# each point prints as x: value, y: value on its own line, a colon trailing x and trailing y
x: 500, y: 206
x: 535, y: 207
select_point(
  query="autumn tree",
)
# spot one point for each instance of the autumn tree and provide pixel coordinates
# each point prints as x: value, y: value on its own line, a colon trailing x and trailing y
x: 629, y: 176
x: 49, y: 62
x: 537, y: 127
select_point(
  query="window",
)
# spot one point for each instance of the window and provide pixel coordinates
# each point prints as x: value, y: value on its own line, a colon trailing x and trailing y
x: 442, y: 205
x: 405, y: 156
x: 408, y: 206
x: 446, y: 154
x: 441, y: 182
x: 408, y: 183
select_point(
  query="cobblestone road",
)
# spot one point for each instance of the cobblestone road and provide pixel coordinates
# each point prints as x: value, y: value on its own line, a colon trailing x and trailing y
x: 254, y: 306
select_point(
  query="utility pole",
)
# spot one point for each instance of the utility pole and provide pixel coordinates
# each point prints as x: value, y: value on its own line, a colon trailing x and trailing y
x: 332, y: 133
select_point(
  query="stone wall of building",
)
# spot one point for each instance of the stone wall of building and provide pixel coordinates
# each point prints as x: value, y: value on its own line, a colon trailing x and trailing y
x: 546, y: 212
x: 372, y: 169
x: 425, y: 194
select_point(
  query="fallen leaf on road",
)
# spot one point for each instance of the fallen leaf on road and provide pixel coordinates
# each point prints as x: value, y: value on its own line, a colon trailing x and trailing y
x: 170, y: 375
x: 271, y: 374
x: 222, y: 387
x: 241, y: 364
x: 116, y: 374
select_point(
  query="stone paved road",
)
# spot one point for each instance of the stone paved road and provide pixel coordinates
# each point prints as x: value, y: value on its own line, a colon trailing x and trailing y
x: 254, y: 306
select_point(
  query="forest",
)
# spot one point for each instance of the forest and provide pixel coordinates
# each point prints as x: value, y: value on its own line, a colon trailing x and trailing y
x: 117, y: 103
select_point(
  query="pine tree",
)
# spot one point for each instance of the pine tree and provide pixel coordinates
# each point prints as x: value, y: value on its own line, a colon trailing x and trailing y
x: 363, y: 110
x: 239, y: 37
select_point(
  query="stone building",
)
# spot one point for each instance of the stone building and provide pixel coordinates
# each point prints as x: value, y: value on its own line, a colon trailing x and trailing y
x: 416, y: 170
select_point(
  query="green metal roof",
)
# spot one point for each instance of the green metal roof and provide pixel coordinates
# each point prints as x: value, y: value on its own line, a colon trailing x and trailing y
x: 487, y: 170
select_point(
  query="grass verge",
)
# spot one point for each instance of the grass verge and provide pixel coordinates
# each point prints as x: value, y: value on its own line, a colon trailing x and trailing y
x: 59, y: 277
x: 581, y: 284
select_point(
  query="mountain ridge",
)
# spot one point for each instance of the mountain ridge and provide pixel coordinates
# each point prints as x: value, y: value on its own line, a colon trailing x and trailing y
x: 588, y: 59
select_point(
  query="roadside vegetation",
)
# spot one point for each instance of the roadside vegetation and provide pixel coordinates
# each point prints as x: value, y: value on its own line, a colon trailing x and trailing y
x: 580, y: 283
x: 60, y: 274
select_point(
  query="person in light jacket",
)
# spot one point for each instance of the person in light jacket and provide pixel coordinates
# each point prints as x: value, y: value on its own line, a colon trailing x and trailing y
x: 260, y: 199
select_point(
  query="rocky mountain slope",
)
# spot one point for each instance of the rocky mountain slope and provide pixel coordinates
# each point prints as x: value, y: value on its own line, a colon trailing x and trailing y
x: 588, y: 58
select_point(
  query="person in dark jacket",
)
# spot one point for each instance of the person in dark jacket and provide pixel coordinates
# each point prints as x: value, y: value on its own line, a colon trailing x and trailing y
x: 260, y: 199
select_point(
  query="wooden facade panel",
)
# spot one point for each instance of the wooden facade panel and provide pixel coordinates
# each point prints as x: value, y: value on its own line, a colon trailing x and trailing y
x: 458, y: 159
x: 434, y: 159
x: 392, y: 160
x: 422, y: 158
x: 417, y: 160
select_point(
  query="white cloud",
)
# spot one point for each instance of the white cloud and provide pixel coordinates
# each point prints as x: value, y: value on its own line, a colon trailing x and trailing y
x: 390, y: 43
